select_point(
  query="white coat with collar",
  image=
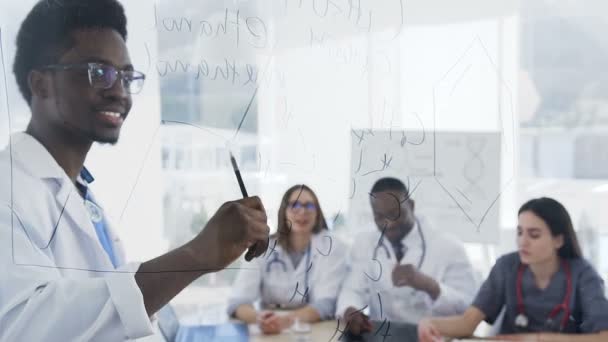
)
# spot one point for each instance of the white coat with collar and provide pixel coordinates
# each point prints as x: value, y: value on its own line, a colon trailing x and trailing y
x: 57, y: 282
x: 272, y: 278
x: 370, y: 277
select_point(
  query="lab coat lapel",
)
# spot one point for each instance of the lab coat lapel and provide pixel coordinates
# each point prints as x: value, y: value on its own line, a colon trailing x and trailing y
x: 278, y: 276
x: 305, y: 265
x: 119, y: 250
x: 413, y: 247
x: 388, y: 264
x: 384, y: 247
x: 86, y: 179
x: 407, y: 304
x: 72, y: 205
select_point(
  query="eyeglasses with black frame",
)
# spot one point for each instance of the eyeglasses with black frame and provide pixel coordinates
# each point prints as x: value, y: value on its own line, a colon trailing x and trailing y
x: 103, y: 76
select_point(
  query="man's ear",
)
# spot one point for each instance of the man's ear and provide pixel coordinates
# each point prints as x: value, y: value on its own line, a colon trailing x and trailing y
x: 40, y: 84
x: 409, y: 202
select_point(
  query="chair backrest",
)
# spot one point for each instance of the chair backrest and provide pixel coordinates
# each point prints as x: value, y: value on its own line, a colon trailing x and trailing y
x: 168, y: 322
x: 495, y: 329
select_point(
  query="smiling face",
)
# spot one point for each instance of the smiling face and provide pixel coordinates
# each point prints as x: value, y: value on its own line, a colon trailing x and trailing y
x: 534, y: 239
x: 72, y: 105
x: 302, y: 212
x: 393, y: 213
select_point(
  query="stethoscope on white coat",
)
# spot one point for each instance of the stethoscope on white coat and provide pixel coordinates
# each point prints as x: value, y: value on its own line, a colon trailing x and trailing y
x: 284, y: 266
x: 521, y: 320
x: 388, y: 255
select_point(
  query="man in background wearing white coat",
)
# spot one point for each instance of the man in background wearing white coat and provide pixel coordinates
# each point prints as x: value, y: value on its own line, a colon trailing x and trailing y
x: 63, y: 272
x: 403, y: 270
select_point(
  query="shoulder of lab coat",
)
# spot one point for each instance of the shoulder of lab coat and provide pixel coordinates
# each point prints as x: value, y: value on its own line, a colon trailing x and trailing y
x: 363, y: 246
x: 449, y: 265
x: 61, y: 303
x: 247, y: 286
x: 330, y: 246
x: 330, y: 268
x: 355, y: 289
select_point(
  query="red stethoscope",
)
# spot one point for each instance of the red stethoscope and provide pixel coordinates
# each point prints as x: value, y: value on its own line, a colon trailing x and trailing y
x: 522, y: 320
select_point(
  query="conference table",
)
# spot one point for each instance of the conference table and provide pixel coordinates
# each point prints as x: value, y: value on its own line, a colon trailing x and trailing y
x: 327, y: 332
x: 322, y: 331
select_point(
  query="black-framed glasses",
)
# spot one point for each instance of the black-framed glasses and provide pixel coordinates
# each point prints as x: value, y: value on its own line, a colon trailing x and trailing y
x: 103, y: 76
x: 308, y: 206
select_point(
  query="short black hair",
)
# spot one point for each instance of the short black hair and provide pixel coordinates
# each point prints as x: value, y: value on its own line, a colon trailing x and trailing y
x: 388, y: 184
x: 45, y: 34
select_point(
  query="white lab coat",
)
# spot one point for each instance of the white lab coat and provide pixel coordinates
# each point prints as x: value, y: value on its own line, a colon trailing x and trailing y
x: 58, y: 284
x: 272, y: 279
x: 370, y: 282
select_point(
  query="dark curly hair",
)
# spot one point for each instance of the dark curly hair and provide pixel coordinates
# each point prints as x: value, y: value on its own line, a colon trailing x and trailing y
x: 45, y: 34
x: 388, y: 184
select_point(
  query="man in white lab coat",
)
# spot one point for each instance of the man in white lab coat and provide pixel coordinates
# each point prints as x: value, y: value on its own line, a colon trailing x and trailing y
x: 63, y: 273
x: 403, y: 270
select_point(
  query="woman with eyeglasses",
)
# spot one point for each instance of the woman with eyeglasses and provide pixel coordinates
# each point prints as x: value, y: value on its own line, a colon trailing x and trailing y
x: 547, y: 290
x: 300, y: 275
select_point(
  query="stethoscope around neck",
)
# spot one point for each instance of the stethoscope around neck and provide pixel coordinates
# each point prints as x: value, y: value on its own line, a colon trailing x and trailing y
x: 276, y: 259
x: 521, y: 321
x: 388, y: 255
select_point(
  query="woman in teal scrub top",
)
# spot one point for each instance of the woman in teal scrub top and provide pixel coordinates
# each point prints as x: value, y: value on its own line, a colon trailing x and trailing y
x: 549, y: 292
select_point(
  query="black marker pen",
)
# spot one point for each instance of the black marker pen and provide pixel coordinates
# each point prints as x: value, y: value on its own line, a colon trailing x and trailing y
x: 239, y: 179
